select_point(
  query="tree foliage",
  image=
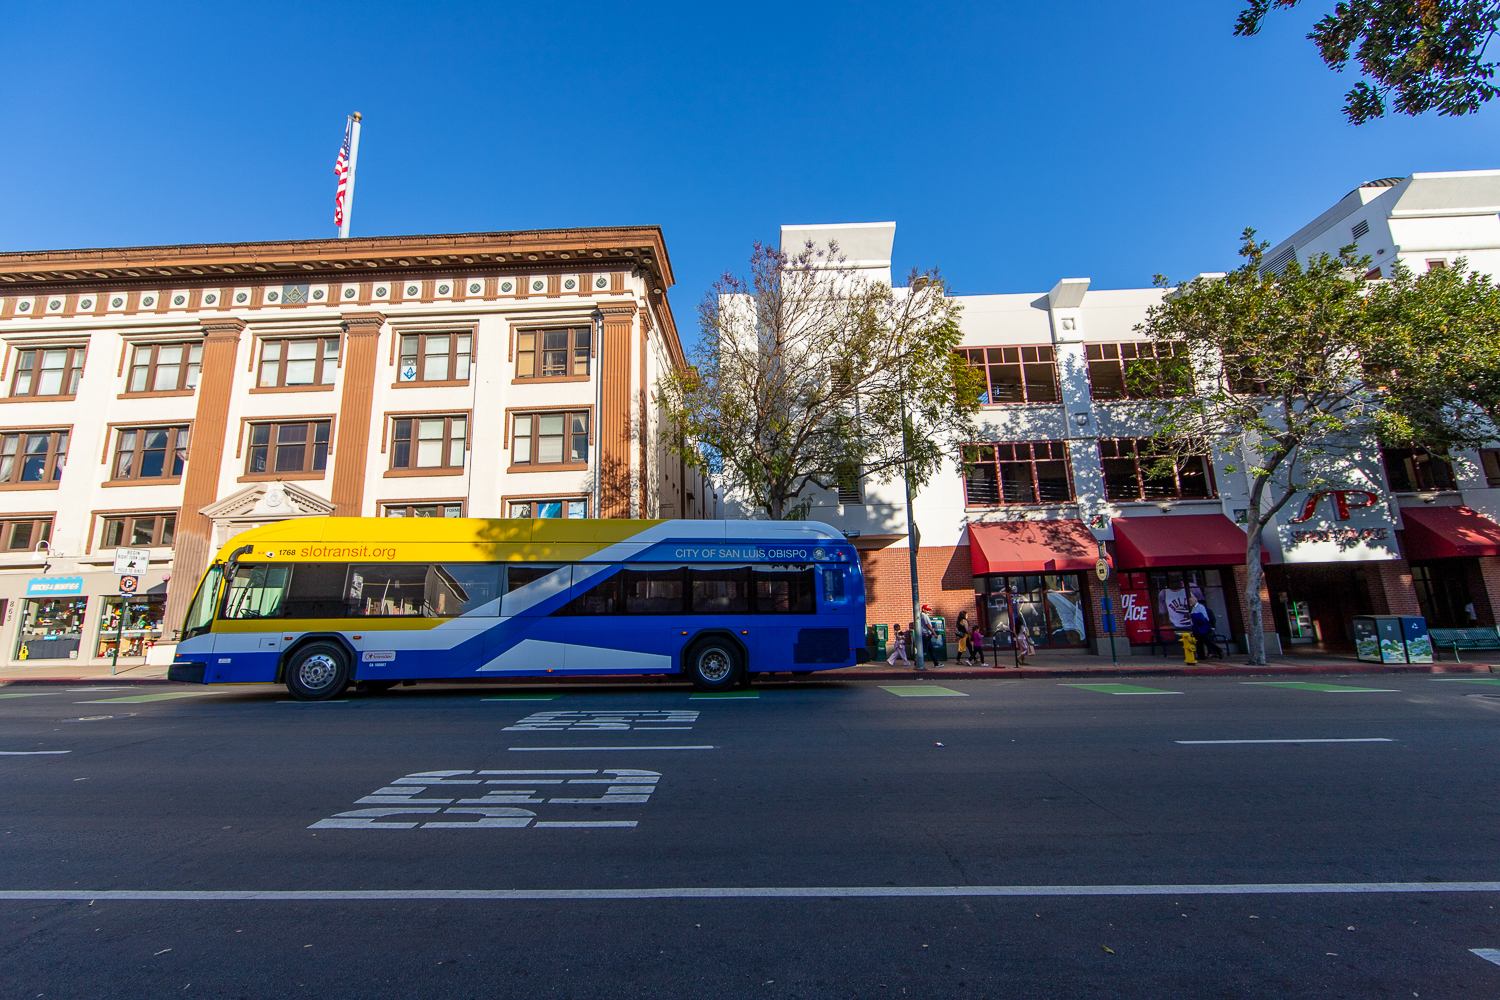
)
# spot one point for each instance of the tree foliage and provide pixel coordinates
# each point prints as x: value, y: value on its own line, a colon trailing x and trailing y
x: 1422, y: 55
x: 809, y: 376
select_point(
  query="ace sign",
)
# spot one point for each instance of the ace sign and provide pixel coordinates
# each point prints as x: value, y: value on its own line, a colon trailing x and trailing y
x: 1135, y: 610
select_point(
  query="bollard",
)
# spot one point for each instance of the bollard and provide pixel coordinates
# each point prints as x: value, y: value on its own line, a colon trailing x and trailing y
x: 1189, y: 648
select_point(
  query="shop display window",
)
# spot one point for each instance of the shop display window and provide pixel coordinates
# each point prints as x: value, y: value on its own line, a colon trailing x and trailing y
x: 1050, y: 606
x: 143, y: 625
x: 51, y: 628
x: 1169, y: 591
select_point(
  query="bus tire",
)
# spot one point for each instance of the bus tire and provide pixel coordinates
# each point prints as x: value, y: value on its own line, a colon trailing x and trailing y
x: 317, y: 672
x: 713, y: 664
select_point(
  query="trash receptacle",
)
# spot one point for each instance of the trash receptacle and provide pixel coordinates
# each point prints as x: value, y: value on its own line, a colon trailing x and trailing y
x: 1418, y: 641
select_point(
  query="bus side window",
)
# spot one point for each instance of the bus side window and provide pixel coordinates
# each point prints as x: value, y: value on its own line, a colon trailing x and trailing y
x: 833, y: 584
x: 257, y: 591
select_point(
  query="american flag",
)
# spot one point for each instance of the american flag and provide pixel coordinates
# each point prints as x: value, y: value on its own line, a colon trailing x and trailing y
x: 341, y: 171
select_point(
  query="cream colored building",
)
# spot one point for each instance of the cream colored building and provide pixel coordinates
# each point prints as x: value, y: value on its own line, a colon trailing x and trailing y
x: 167, y: 397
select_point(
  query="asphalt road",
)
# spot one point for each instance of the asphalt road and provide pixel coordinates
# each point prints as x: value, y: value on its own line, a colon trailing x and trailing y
x: 683, y: 865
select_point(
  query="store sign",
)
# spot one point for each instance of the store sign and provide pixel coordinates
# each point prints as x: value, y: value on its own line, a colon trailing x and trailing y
x: 1135, y: 609
x: 1339, y: 526
x: 54, y: 586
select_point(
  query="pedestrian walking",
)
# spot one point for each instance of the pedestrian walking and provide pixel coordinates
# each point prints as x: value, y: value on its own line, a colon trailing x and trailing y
x: 898, y: 648
x: 1203, y: 625
x: 965, y: 639
x: 976, y: 641
x: 1024, y: 646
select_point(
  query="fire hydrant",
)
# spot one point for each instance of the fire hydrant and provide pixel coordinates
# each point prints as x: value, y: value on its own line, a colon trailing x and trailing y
x: 1189, y: 648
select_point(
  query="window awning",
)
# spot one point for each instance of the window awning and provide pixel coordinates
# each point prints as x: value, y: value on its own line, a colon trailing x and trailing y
x: 1179, y: 540
x: 1448, y: 532
x: 1032, y: 547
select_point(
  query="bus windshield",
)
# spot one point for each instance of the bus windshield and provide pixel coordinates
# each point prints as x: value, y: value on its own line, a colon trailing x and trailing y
x: 200, y: 613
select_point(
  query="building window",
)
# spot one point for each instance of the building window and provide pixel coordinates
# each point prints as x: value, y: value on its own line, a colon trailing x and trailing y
x: 298, y: 448
x: 23, y: 535
x: 1437, y: 264
x: 424, y: 510
x: 1027, y: 472
x: 570, y: 507
x: 1137, y: 470
x: 141, y: 629
x: 289, y: 363
x: 428, y: 442
x: 52, y: 371
x: 33, y: 456
x: 151, y: 453
x: 550, y: 439
x: 1490, y: 459
x: 1017, y: 374
x: 138, y: 530
x: 1410, y: 470
x: 164, y: 367
x: 1114, y: 367
x: 563, y: 352
x: 435, y: 357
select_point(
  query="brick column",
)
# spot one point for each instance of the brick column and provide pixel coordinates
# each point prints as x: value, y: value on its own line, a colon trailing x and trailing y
x: 1391, y: 589
x: 352, y: 449
x: 613, y: 419
x: 200, y: 484
x: 1487, y: 600
x: 1242, y: 606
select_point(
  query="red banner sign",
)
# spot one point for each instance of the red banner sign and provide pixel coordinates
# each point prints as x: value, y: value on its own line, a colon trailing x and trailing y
x: 1135, y: 610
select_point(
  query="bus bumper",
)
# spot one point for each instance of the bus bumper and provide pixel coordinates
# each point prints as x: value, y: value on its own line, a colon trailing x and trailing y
x: 187, y: 671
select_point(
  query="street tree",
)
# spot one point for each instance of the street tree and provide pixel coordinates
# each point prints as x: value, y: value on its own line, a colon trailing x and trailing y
x: 808, y: 375
x: 1422, y: 55
x: 1280, y: 384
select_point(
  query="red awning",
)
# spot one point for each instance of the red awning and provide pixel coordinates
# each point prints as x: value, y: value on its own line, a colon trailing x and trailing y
x: 1179, y: 540
x: 1032, y: 547
x: 1448, y: 532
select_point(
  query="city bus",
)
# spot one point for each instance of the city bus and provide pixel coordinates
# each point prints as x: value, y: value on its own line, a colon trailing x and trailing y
x: 321, y: 603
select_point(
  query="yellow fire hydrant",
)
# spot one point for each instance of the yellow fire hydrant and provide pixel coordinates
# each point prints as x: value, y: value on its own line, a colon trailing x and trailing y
x: 1189, y: 648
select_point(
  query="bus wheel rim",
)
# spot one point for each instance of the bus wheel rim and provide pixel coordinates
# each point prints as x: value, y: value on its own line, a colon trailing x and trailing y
x: 317, y: 671
x: 714, y: 665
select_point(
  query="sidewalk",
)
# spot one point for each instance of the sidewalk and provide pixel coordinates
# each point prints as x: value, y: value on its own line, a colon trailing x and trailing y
x: 1070, y: 664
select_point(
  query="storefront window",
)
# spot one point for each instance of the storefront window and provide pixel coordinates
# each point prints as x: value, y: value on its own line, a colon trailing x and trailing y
x: 1050, y: 606
x: 1169, y: 599
x: 142, y: 625
x: 51, y: 628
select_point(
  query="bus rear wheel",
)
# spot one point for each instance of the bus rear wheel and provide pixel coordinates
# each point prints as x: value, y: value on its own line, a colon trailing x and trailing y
x: 317, y: 672
x: 713, y: 664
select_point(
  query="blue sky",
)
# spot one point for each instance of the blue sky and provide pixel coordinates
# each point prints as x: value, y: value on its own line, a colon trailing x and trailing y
x: 1013, y: 143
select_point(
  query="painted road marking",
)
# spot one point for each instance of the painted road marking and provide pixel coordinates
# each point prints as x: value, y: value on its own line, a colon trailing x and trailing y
x: 555, y: 749
x: 1440, y: 680
x: 1119, y: 689
x: 522, y: 697
x: 1356, y: 739
x: 729, y: 695
x: 330, y: 701
x: 1328, y: 688
x: 494, y: 796
x: 26, y: 694
x: 136, y: 699
x: 743, y: 892
x: 921, y: 691
x: 1488, y: 954
x: 30, y: 753
x: 558, y: 721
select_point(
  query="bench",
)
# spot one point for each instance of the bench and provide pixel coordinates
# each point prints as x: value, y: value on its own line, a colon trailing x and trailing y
x: 1455, y: 639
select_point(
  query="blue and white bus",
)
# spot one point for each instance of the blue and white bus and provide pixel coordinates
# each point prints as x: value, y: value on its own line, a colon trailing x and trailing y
x: 320, y: 603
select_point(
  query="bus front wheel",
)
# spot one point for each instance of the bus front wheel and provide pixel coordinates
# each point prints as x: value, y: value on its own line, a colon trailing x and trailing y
x: 317, y: 672
x: 714, y: 665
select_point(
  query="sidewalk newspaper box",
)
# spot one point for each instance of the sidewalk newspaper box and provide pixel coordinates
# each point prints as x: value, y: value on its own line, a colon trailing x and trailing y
x: 939, y: 638
x: 1392, y: 639
x: 876, y: 641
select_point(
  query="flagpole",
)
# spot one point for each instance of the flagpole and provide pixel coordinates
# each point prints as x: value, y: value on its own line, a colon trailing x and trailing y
x: 349, y: 187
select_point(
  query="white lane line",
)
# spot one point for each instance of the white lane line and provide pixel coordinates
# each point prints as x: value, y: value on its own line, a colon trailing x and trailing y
x: 749, y: 892
x: 583, y: 824
x: 1488, y: 954
x: 612, y: 748
x: 30, y: 753
x: 1356, y: 739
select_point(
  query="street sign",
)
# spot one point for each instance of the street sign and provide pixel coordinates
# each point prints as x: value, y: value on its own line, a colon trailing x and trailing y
x: 1101, y: 570
x: 129, y: 584
x: 131, y: 562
